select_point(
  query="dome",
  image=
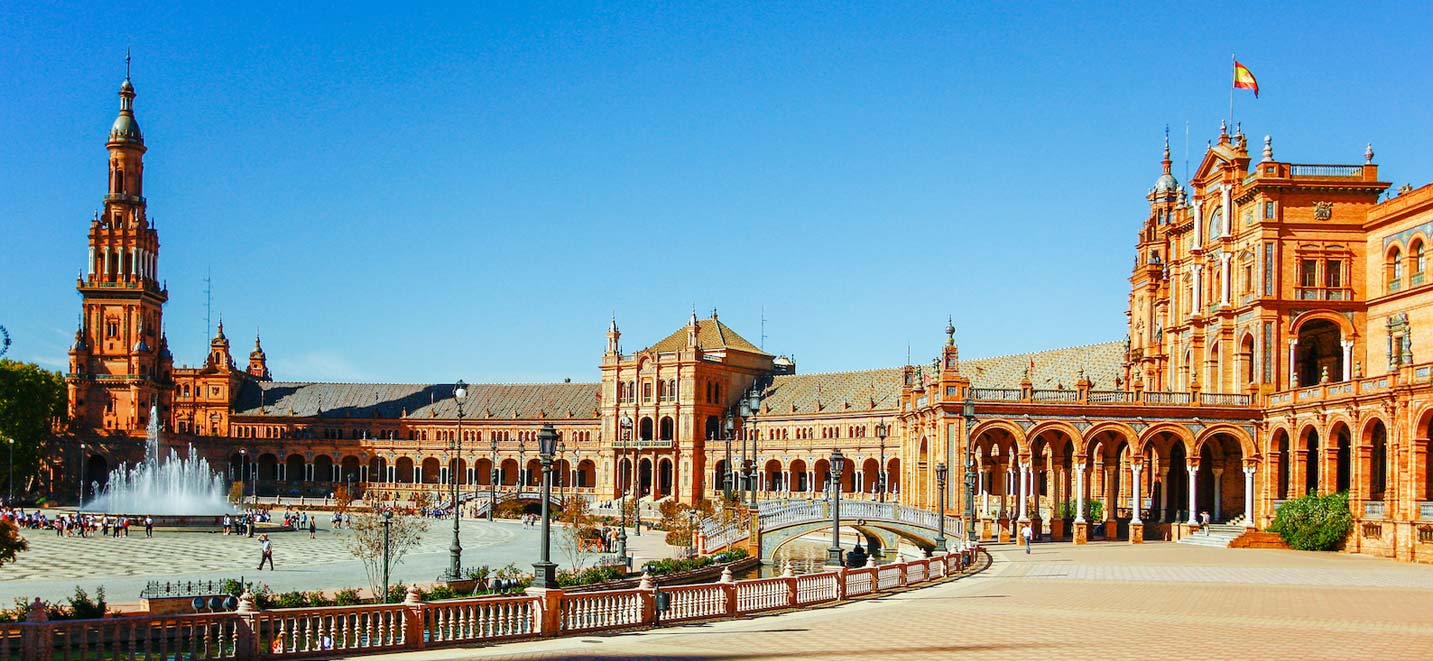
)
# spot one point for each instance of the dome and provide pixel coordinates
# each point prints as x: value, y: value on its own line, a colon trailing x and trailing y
x: 1166, y: 184
x: 141, y: 347
x: 125, y: 129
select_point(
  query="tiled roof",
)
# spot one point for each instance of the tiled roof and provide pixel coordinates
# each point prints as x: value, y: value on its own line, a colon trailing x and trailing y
x: 555, y: 401
x: 879, y: 390
x: 1053, y: 368
x: 712, y: 334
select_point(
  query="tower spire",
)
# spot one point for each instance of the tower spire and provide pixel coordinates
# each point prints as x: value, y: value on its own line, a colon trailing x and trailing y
x: 1166, y: 162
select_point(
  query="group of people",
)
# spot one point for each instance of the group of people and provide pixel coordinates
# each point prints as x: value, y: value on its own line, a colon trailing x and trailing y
x: 92, y: 525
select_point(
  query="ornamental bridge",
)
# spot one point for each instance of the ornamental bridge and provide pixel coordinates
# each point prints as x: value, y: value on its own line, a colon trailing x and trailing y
x: 883, y: 525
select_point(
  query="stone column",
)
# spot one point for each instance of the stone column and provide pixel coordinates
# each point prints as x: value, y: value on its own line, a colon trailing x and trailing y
x: 1082, y: 532
x: 1224, y: 278
x: 1135, y: 471
x: 1347, y: 360
x: 1024, y: 489
x: 1163, y: 493
x: 1111, y: 495
x: 1198, y: 298
x: 1193, y: 469
x: 1218, y: 493
x: 1293, y: 368
x: 1248, y: 496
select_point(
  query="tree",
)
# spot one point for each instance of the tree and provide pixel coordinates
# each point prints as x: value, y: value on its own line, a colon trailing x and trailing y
x: 236, y: 494
x: 32, y: 409
x: 578, y: 524
x: 405, y: 532
x: 342, y: 499
x: 11, y: 543
x: 1314, y: 522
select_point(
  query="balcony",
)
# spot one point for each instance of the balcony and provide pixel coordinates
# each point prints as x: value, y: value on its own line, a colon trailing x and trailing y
x: 1326, y: 171
x: 1111, y: 397
x: 1373, y: 509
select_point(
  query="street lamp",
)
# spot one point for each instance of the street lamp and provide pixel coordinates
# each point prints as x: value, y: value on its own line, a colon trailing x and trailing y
x: 750, y: 408
x: 81, y: 502
x: 728, y: 477
x: 493, y: 476
x: 558, y: 475
x: 387, y: 521
x: 692, y: 533
x: 940, y: 514
x: 544, y: 572
x: 455, y: 552
x: 969, y: 414
x: 11, y: 499
x: 521, y: 465
x: 626, y: 424
x: 882, y: 431
x: 833, y: 557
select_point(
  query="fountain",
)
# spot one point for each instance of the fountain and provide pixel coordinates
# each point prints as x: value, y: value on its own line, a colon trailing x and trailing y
x: 170, y: 488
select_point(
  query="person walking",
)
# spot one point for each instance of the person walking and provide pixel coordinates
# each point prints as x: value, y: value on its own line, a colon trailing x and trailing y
x: 1027, y: 533
x: 266, y: 548
x: 312, y: 527
x: 148, y: 526
x: 1204, y: 521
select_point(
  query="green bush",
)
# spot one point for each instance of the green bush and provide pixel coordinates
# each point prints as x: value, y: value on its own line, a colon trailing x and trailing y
x: 84, y: 608
x: 439, y: 592
x: 591, y: 575
x: 1314, y: 522
x: 397, y: 593
x: 729, y: 556
x: 346, y: 597
x: 294, y: 599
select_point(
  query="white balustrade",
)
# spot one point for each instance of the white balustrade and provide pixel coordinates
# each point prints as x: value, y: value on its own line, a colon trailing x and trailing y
x: 482, y: 619
x: 761, y: 594
x: 309, y: 630
x: 816, y: 588
x: 601, y: 610
x: 860, y: 581
x: 695, y: 602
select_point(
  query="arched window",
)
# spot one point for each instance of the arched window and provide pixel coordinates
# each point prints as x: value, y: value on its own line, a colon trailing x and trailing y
x: 1216, y: 220
x: 1417, y: 261
x: 1394, y: 269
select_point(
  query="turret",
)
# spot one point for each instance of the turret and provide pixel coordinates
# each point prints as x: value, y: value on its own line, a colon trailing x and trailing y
x: 614, y: 336
x: 219, y: 357
x: 258, y: 362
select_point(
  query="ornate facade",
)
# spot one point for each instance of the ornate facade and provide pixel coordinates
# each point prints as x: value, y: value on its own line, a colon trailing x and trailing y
x: 1274, y: 313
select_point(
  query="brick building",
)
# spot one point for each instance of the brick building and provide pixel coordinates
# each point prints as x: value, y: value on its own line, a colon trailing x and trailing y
x: 1273, y: 314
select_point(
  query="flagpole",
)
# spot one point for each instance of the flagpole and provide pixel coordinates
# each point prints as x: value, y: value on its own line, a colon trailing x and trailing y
x: 1233, y: 71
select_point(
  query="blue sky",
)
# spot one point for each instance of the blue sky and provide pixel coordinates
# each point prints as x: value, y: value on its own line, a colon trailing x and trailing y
x: 469, y: 192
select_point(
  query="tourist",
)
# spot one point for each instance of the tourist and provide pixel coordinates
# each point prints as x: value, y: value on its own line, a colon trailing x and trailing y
x: 1028, y: 534
x: 266, y: 548
x: 1204, y: 521
x: 149, y: 526
x: 313, y: 528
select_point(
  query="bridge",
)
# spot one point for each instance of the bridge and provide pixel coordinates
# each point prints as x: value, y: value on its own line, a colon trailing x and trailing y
x: 884, y: 525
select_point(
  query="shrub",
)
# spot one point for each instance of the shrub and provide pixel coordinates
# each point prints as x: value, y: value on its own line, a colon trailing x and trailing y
x: 729, y: 556
x: 591, y: 575
x: 397, y: 593
x: 439, y: 592
x: 84, y: 608
x: 1314, y: 522
x: 346, y: 597
x: 293, y: 599
x: 510, y: 509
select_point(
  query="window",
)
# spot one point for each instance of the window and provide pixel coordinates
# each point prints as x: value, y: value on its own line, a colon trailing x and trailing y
x: 1268, y: 210
x: 1393, y: 270
x: 646, y: 391
x: 1333, y: 274
x: 1248, y: 277
x: 1308, y: 273
x: 1415, y: 256
x: 1215, y: 222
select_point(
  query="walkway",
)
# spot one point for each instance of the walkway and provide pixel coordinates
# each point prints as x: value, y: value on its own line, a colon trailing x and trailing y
x: 1100, y: 601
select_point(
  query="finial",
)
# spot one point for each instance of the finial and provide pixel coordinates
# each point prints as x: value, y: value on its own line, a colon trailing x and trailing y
x: 1368, y: 154
x: 1268, y: 148
x: 694, y: 313
x: 1223, y: 128
x: 949, y: 331
x: 1239, y: 128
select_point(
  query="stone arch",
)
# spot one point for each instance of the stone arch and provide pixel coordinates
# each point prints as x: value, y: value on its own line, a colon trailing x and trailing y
x: 431, y: 470
x: 771, y: 471
x: 799, y: 481
x: 509, y: 470
x: 1061, y: 426
x: 1175, y: 430
x: 1010, y: 428
x: 1375, y: 437
x: 666, y: 428
x: 1341, y: 440
x: 1345, y: 326
x: 483, y: 471
x: 1246, y: 444
x: 645, y: 429
x: 586, y: 474
x: 323, y: 469
x: 1309, y: 442
x: 666, y: 478
x: 870, y: 475
x: 1281, y: 452
x: 294, y: 468
x: 533, y: 474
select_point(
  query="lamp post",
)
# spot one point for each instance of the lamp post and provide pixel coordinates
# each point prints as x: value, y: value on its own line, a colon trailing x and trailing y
x: 691, y: 533
x: 626, y: 424
x: 493, y: 476
x: 544, y: 572
x: 455, y: 551
x: 387, y: 521
x: 969, y: 414
x: 521, y: 465
x: 882, y: 431
x: 11, y: 499
x: 81, y: 502
x: 559, y: 475
x: 728, y: 476
x: 749, y: 409
x: 940, y: 514
x: 833, y: 556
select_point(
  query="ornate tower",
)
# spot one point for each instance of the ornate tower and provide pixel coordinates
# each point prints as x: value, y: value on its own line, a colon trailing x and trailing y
x: 258, y: 362
x: 117, y: 366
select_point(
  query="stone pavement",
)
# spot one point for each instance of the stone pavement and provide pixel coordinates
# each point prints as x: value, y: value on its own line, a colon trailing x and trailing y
x: 1099, y: 601
x: 55, y: 565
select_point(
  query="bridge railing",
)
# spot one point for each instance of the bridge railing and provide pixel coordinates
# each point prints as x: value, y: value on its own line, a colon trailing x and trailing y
x: 417, y: 625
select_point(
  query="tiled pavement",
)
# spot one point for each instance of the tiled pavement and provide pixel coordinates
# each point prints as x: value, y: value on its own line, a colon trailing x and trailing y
x: 1157, y: 601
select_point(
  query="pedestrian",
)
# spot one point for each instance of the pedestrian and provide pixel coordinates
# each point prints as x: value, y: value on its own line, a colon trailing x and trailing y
x: 1027, y: 533
x: 148, y: 526
x: 266, y: 548
x: 1204, y: 521
x: 312, y: 528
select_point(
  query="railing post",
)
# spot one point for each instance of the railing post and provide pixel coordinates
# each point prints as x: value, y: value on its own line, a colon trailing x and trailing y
x: 788, y: 575
x: 549, y: 611
x: 840, y: 584
x: 728, y: 590
x: 246, y: 633
x: 413, y: 622
x: 648, y: 593
x: 36, y: 641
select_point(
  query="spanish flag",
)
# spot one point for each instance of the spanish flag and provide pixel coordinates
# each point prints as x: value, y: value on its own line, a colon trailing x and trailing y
x: 1244, y: 80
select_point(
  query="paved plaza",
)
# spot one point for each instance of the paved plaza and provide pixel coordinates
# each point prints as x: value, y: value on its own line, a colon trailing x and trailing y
x: 1101, y: 601
x: 55, y: 565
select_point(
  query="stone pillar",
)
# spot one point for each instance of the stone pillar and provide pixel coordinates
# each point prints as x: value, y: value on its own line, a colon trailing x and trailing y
x: 1024, y: 490
x: 1347, y: 360
x: 1249, y: 497
x: 1163, y: 493
x: 1135, y: 471
x: 1193, y: 469
x: 1218, y: 494
x: 1224, y: 280
x: 1198, y: 282
x: 1081, y: 528
x: 1293, y: 363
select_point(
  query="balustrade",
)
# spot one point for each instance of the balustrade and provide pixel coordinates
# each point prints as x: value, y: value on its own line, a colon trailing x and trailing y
x: 203, y: 636
x: 695, y: 602
x: 816, y: 588
x: 860, y: 581
x: 761, y: 594
x: 481, y: 620
x: 595, y: 611
x: 888, y: 576
x: 305, y: 631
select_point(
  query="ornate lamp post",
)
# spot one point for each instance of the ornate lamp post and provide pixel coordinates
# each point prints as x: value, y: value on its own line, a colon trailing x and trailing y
x: 833, y: 556
x: 493, y: 476
x: 455, y: 551
x: 749, y: 409
x: 81, y: 502
x: 728, y: 476
x: 387, y: 521
x: 969, y: 414
x: 521, y: 465
x: 940, y: 514
x: 882, y: 431
x: 544, y: 572
x: 11, y: 499
x: 626, y: 424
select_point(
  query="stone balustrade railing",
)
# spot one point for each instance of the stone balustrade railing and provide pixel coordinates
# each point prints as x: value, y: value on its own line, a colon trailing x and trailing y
x: 417, y: 625
x: 1111, y: 397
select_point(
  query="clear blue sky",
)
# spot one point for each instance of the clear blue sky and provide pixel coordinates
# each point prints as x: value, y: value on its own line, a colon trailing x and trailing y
x: 470, y: 192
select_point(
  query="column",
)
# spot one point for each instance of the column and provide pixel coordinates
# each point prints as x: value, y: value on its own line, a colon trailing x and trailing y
x: 1193, y: 492
x: 1135, y: 471
x: 1163, y: 493
x: 1198, y: 298
x: 1218, y: 493
x: 1248, y: 496
x: 786, y: 481
x: 1224, y: 283
x: 1227, y: 218
x: 1347, y: 360
x: 1079, y: 493
x: 1111, y: 495
x: 1293, y: 367
x: 1024, y: 489
x: 91, y: 270
x: 1198, y: 223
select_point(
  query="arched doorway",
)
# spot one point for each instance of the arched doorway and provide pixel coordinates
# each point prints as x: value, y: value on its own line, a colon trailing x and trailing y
x: 624, y: 476
x: 799, y: 481
x: 509, y: 472
x: 645, y: 429
x: 1319, y: 351
x: 667, y: 429
x: 1246, y: 360
x: 377, y: 470
x: 586, y: 474
x: 772, y: 471
x: 644, y: 477
x: 236, y: 467
x: 1377, y: 484
x: 403, y: 470
x: 822, y: 470
x: 96, y: 475
x: 1221, y: 478
x: 1311, y: 461
x: 432, y: 469
x: 1343, y: 467
x: 268, y: 468
x: 484, y: 472
x: 712, y: 428
x: 1176, y: 484
x: 323, y: 469
x: 664, y: 478
x: 870, y: 475
x: 532, y: 474
x: 1281, y: 450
